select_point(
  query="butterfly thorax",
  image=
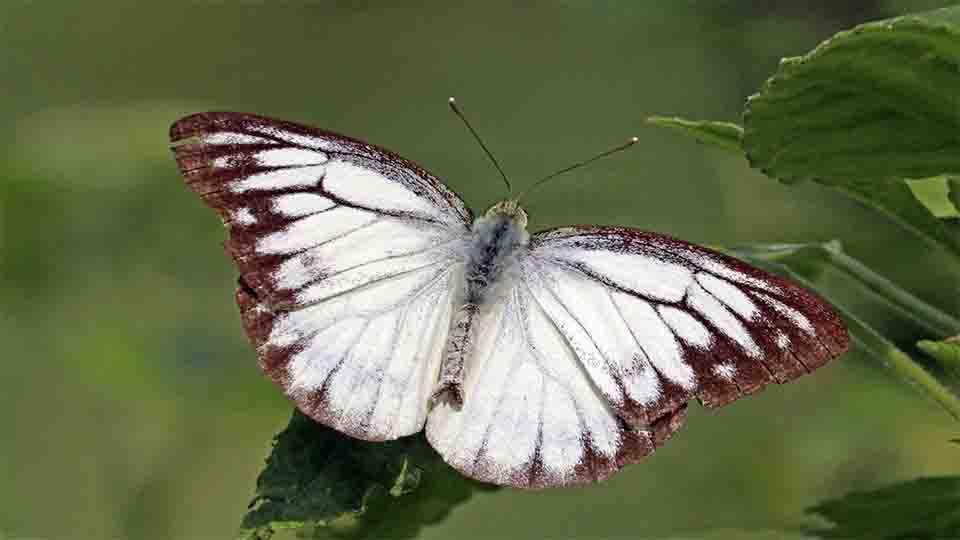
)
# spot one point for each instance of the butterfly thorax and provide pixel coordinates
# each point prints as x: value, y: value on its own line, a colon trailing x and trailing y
x: 496, y: 240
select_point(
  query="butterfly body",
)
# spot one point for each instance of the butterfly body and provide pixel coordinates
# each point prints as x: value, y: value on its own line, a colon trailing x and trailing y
x: 381, y: 308
x: 492, y: 250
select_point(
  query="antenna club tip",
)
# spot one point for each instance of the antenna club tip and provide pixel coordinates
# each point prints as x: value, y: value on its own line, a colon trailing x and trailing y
x: 634, y: 140
x: 451, y: 100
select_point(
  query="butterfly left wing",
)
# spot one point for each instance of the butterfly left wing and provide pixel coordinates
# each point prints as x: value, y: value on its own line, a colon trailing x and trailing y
x: 348, y: 258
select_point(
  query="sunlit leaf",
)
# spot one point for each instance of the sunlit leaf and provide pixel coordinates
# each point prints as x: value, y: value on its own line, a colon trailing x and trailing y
x: 946, y: 352
x: 874, y: 102
x: 934, y: 193
x: 317, y: 478
x: 925, y: 508
x: 724, y: 135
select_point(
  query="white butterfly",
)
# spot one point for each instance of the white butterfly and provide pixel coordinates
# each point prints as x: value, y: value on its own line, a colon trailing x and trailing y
x: 380, y: 306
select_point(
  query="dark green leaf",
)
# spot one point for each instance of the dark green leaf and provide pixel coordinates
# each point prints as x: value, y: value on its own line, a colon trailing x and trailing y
x: 953, y: 193
x: 877, y: 101
x: 721, y: 134
x: 926, y: 508
x: 318, y: 478
x: 946, y: 352
x: 894, y: 199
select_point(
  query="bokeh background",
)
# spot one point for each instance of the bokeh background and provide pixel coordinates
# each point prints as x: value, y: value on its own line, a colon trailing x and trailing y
x: 130, y: 403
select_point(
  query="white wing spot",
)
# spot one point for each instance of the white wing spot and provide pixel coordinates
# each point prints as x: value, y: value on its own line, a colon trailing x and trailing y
x: 281, y: 179
x: 288, y: 157
x: 729, y: 295
x: 244, y: 217
x: 795, y: 316
x: 725, y: 370
x: 647, y: 275
x: 301, y: 204
x: 225, y: 137
x: 783, y: 341
x: 712, y: 265
x: 222, y: 162
x: 686, y: 327
x: 712, y: 309
x: 299, y: 140
x: 656, y: 339
x: 314, y: 230
x: 370, y: 189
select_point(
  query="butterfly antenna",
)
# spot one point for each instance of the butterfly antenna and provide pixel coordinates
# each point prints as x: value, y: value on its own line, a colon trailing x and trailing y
x: 453, y: 105
x: 630, y: 142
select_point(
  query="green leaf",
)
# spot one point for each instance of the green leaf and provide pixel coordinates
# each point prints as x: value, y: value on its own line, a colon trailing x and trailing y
x: 743, y: 534
x: 317, y: 478
x: 721, y: 134
x: 805, y: 263
x: 946, y: 352
x: 925, y: 508
x: 953, y: 192
x: 934, y: 193
x: 893, y: 198
x: 874, y: 102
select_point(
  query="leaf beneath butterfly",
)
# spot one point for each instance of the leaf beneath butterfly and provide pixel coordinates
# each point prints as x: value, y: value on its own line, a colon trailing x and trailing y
x: 921, y: 508
x: 317, y: 478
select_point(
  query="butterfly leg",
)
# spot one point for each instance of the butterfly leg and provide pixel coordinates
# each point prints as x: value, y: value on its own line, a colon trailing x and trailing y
x: 450, y: 386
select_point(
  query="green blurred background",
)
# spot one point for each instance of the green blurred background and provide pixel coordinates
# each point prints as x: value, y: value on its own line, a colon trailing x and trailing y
x: 131, y: 403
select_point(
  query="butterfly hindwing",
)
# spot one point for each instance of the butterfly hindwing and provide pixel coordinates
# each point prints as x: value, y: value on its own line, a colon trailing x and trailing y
x: 531, y: 417
x: 348, y: 263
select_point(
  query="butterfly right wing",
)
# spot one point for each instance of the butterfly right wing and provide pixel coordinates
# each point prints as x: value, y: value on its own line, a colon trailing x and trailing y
x: 588, y: 363
x: 349, y: 259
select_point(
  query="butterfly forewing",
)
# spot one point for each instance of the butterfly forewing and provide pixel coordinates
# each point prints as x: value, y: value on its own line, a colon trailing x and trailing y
x: 657, y: 321
x: 348, y: 256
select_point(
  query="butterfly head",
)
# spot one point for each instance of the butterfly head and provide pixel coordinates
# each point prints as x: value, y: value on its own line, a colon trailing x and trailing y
x: 511, y: 210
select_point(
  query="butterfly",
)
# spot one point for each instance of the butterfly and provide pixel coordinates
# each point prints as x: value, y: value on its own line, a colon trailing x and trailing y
x: 382, y: 307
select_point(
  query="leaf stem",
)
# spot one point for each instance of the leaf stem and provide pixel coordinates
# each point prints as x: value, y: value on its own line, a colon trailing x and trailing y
x: 937, y: 322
